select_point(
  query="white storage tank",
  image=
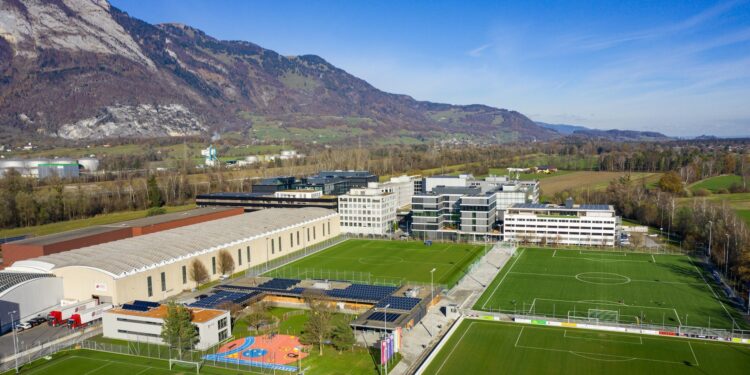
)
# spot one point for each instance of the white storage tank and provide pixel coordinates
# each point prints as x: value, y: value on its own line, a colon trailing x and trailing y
x: 32, y: 166
x: 7, y: 164
x: 89, y: 164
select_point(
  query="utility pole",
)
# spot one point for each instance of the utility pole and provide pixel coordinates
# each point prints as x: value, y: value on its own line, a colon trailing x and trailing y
x: 15, y: 338
x: 432, y: 288
x: 726, y: 256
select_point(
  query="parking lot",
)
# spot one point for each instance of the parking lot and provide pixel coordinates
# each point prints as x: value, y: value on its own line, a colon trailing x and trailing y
x: 31, y: 337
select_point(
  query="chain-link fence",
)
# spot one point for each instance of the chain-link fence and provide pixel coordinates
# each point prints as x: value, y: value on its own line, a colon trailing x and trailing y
x: 291, y: 257
x: 30, y: 352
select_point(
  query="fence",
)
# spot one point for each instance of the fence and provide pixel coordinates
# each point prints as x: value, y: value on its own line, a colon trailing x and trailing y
x: 291, y: 257
x: 678, y: 330
x: 27, y: 353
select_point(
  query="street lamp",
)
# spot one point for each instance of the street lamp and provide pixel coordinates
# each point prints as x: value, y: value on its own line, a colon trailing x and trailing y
x: 432, y: 289
x: 710, y: 226
x: 15, y: 338
x: 726, y: 257
x: 385, y: 330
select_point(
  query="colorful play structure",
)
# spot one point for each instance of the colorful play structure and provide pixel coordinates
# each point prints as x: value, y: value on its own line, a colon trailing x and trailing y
x: 274, y: 351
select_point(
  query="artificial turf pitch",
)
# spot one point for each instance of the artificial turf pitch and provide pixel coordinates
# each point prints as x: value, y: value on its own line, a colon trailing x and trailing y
x: 379, y: 261
x: 608, y: 285
x: 482, y: 347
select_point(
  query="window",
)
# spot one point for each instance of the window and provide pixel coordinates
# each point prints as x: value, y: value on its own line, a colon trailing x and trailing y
x: 273, y: 247
x: 150, y: 290
x: 223, y: 335
x: 308, y: 234
x: 222, y: 323
x: 140, y: 321
x: 138, y: 333
x: 314, y: 233
x: 297, y: 238
x: 248, y: 254
x: 291, y: 239
x: 279, y: 243
x: 163, y: 282
x: 184, y: 274
x: 329, y: 228
x: 213, y: 265
x: 239, y: 256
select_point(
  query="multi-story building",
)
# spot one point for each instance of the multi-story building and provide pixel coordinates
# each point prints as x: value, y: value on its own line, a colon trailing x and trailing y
x: 274, y: 184
x: 570, y: 224
x: 338, y: 182
x: 402, y: 187
x: 367, y: 211
x: 452, y: 211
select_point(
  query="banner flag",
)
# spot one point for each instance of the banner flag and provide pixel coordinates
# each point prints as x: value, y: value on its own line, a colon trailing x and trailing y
x: 382, y: 352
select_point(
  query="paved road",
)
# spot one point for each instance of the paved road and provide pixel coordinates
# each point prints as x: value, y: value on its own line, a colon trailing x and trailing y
x: 31, y: 337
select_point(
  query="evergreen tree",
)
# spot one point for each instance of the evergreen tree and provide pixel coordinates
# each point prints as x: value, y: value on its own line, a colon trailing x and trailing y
x: 342, y: 336
x: 154, y: 194
x: 178, y: 331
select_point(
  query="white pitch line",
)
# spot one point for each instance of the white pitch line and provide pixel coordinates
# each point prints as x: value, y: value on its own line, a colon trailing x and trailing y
x: 652, y: 258
x: 97, y: 369
x: 712, y: 291
x: 454, y: 348
x: 554, y: 253
x: 503, y: 279
x: 678, y: 316
x: 693, y: 351
x: 518, y: 338
x: 531, y: 308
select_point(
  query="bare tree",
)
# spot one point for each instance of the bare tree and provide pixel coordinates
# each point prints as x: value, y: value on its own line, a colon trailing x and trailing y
x: 226, y: 263
x: 319, y: 327
x: 198, y: 272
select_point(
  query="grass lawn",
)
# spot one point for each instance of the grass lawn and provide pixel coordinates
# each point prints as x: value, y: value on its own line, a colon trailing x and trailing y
x: 609, y: 285
x: 590, y: 180
x: 41, y: 230
x: 379, y: 261
x: 477, y: 346
x: 714, y: 184
x: 528, y: 176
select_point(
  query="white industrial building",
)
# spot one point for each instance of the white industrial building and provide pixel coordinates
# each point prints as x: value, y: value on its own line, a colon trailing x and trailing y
x: 368, y: 210
x: 570, y: 224
x: 300, y: 194
x: 27, y: 295
x: 155, y: 266
x: 145, y: 325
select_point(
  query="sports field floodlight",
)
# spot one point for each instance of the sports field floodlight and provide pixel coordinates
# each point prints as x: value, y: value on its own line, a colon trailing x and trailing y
x: 15, y: 338
x: 432, y: 289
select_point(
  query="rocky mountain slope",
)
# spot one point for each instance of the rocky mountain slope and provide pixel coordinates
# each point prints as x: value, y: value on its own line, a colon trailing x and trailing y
x: 579, y: 131
x: 82, y: 69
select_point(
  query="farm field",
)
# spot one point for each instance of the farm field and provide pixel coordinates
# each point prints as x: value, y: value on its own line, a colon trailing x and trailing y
x: 527, y: 349
x: 616, y: 286
x: 388, y: 262
x: 715, y: 184
x: 590, y: 180
x: 740, y: 202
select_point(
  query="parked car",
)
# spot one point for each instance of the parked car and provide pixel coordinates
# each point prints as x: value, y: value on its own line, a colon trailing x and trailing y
x: 23, y: 326
x: 37, y: 321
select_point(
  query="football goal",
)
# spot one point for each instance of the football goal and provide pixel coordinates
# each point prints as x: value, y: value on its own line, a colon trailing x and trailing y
x: 185, y: 364
x: 598, y: 315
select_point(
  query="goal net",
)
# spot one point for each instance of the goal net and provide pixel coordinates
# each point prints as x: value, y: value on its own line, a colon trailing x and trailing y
x: 598, y: 315
x: 507, y: 249
x: 178, y: 363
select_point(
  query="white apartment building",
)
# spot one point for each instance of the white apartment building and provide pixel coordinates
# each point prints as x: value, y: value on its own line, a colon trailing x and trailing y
x: 585, y: 224
x: 367, y: 211
x: 133, y: 323
x: 401, y: 186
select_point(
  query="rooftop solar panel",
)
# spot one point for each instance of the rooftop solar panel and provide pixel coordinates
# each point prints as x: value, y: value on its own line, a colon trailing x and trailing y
x: 388, y: 317
x: 132, y: 307
x: 399, y: 303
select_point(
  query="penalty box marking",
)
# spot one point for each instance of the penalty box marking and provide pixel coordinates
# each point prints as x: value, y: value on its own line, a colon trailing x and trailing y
x: 567, y: 336
x: 503, y: 279
x: 614, y: 358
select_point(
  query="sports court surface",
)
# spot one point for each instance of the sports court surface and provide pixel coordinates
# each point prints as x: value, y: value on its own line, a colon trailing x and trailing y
x: 477, y: 346
x: 608, y: 285
x: 394, y: 262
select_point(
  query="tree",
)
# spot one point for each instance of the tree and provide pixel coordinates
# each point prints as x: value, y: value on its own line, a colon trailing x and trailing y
x: 258, y: 314
x: 671, y: 182
x: 198, y: 272
x: 225, y: 263
x: 154, y: 194
x: 342, y: 336
x: 318, y: 328
x: 178, y: 330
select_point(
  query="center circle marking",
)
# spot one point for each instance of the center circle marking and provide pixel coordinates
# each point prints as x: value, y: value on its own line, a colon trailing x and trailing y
x: 602, y: 278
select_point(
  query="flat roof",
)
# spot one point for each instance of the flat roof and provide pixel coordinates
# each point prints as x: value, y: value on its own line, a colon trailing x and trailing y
x: 135, y: 223
x: 581, y: 207
x: 128, y: 256
x: 199, y: 315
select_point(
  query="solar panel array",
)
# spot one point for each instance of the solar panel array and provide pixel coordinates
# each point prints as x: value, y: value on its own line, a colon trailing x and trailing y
x: 132, y: 307
x: 279, y: 284
x: 383, y: 316
x: 363, y: 292
x: 595, y: 207
x: 223, y: 296
x: 529, y: 205
x: 399, y: 303
x: 146, y: 303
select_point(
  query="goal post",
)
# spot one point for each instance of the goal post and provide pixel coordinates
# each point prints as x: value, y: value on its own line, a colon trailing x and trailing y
x: 185, y: 364
x: 600, y: 315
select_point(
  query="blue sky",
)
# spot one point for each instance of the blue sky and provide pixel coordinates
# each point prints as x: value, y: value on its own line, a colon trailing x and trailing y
x: 679, y: 67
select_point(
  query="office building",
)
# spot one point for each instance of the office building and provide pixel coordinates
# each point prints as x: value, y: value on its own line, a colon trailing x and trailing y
x: 368, y: 211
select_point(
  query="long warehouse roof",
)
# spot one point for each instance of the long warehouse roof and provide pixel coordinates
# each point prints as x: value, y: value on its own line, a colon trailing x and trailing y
x: 132, y: 255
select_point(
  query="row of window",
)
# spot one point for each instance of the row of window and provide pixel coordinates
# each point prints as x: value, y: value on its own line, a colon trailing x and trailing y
x: 510, y: 225
x: 325, y: 227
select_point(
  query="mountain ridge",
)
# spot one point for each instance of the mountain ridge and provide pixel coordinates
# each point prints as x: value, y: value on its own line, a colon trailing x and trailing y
x: 100, y: 73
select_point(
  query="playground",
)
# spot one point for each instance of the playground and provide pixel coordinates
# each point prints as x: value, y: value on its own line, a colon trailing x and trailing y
x: 274, y: 351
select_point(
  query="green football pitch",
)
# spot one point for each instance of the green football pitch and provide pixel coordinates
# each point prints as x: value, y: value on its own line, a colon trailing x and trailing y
x: 390, y: 262
x: 87, y: 362
x: 482, y: 347
x: 626, y: 287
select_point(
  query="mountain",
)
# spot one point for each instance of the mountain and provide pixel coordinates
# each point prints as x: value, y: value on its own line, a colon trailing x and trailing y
x: 612, y: 134
x: 83, y: 69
